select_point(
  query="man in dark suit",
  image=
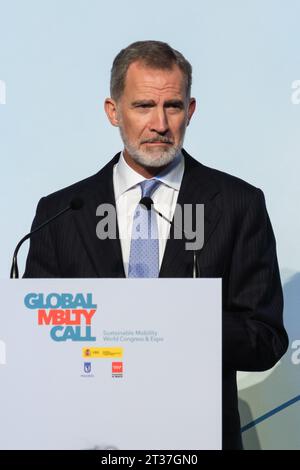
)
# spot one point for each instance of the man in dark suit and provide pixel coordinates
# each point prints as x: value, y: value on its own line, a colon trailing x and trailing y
x: 151, y: 104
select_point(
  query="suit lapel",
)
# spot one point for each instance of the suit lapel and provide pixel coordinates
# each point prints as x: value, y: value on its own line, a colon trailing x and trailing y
x: 197, y: 187
x: 105, y: 255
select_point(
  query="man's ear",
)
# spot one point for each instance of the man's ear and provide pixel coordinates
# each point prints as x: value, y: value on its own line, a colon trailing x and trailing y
x: 110, y: 107
x: 191, y: 110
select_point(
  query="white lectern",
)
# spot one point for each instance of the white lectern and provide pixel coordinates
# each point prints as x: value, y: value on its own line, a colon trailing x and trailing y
x: 110, y: 364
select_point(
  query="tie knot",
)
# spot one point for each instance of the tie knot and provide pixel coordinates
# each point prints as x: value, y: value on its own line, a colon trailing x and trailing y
x: 148, y: 187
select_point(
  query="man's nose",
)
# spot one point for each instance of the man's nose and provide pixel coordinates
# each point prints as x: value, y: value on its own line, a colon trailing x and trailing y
x: 159, y: 122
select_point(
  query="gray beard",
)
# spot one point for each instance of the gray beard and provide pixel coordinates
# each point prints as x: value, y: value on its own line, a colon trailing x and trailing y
x: 156, y: 159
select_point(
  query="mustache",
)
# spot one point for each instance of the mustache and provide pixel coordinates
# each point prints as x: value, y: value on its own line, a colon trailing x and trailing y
x: 163, y: 140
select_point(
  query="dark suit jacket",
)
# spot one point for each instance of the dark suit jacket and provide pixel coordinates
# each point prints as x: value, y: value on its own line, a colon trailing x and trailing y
x: 239, y: 246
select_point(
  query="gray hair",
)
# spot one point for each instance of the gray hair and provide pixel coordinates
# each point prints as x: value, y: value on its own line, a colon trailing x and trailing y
x: 155, y: 54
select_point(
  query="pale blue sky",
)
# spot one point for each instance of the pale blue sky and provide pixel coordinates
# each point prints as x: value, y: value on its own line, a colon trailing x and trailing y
x: 55, y: 57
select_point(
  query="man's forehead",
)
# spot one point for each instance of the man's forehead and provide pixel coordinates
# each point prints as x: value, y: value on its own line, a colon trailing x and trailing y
x: 141, y: 77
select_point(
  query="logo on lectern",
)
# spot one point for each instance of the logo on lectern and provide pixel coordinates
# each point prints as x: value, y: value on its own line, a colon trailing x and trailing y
x: 117, y: 369
x: 87, y: 367
x: 70, y: 315
x: 87, y: 370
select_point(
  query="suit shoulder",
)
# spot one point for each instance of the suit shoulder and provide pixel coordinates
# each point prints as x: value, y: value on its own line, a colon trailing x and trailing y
x: 234, y: 191
x: 229, y: 182
x: 237, y: 193
x: 73, y: 189
x: 225, y: 181
x: 80, y: 189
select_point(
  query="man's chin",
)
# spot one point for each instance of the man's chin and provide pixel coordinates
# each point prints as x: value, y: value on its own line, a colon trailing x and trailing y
x: 154, y: 159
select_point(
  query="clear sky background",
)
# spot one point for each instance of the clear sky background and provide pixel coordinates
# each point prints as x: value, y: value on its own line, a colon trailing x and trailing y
x: 55, y: 58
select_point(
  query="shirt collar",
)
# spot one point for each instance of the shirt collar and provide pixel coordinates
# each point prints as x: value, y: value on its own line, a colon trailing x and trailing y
x: 127, y: 177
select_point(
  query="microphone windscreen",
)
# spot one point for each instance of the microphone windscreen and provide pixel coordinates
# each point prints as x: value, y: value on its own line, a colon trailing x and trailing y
x: 147, y: 202
x: 76, y: 204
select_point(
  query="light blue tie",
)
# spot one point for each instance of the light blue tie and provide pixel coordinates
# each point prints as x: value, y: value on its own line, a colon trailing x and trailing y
x: 144, y: 248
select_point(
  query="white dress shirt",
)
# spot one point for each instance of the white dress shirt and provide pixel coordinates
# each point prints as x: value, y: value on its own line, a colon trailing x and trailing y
x: 128, y: 194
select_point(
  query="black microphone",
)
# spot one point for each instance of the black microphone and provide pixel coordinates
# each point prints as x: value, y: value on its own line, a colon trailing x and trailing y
x: 74, y: 205
x: 147, y: 202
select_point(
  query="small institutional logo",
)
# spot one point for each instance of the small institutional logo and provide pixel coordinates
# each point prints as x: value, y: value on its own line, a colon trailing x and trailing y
x: 103, y: 353
x: 117, y: 369
x: 87, y: 367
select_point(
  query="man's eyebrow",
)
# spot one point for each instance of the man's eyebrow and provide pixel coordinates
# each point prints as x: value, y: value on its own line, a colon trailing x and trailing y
x: 143, y: 102
x: 174, y: 102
